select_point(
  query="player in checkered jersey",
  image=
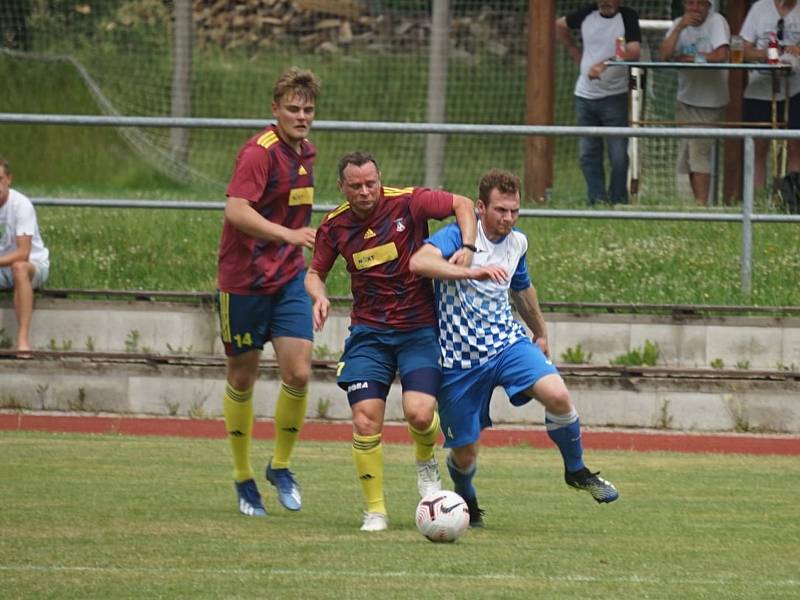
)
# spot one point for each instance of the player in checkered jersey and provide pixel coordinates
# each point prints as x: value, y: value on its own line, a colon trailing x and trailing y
x: 483, y: 346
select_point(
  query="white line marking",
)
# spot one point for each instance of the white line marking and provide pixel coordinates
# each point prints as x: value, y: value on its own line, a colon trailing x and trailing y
x: 337, y: 574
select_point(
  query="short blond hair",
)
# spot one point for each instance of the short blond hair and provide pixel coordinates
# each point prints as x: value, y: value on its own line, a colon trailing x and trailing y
x: 297, y: 82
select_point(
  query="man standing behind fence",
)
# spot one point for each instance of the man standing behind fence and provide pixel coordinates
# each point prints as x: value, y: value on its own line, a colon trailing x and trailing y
x: 601, y: 94
x: 767, y: 19
x: 261, y: 294
x: 700, y: 35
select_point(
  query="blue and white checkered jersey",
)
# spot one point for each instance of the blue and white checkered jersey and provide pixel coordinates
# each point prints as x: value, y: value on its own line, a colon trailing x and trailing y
x: 475, y: 318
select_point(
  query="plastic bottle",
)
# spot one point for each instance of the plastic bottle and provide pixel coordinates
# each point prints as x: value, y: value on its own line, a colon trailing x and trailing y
x: 773, y: 53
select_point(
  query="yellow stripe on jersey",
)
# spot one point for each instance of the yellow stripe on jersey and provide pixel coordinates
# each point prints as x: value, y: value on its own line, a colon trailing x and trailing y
x: 338, y: 210
x: 299, y: 196
x: 391, y: 192
x: 267, y: 140
x: 373, y: 257
x: 225, y: 316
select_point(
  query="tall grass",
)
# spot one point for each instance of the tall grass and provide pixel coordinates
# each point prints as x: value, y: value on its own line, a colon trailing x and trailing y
x: 122, y: 517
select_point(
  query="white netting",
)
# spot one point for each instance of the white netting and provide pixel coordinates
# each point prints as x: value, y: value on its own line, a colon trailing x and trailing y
x: 372, y: 57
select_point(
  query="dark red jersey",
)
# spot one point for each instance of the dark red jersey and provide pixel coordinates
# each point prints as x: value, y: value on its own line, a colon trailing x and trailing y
x: 279, y: 183
x: 377, y: 250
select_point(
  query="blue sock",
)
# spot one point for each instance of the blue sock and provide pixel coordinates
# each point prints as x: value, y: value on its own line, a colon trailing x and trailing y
x: 565, y: 431
x: 462, y: 480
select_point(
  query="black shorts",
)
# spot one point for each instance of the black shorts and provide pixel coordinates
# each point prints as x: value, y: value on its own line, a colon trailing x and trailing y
x: 757, y: 111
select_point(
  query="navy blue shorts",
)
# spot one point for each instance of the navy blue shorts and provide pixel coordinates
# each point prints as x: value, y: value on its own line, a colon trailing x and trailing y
x: 372, y: 354
x: 248, y: 322
x: 466, y: 393
x: 758, y: 111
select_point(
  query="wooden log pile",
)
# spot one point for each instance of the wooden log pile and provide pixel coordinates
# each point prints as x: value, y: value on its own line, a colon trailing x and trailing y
x: 337, y: 26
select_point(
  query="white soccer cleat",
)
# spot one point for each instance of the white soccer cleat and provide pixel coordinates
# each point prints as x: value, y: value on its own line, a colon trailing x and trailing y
x: 428, y: 478
x: 374, y: 521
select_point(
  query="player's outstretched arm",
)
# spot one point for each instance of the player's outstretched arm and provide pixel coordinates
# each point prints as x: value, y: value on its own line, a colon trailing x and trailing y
x: 464, y: 210
x: 527, y: 304
x: 317, y: 291
x: 241, y: 214
x: 429, y: 262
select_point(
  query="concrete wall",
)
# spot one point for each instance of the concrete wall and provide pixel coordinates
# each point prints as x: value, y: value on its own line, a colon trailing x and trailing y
x: 762, y: 343
x: 195, y: 390
x: 699, y: 400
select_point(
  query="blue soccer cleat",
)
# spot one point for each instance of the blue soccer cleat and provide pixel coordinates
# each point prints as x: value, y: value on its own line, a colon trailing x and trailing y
x: 600, y: 489
x: 249, y: 499
x: 288, y: 490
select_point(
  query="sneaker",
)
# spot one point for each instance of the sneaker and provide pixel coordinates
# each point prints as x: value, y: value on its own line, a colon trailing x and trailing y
x: 249, y: 499
x: 375, y: 521
x: 288, y: 490
x: 475, y: 513
x: 600, y: 489
x: 428, y: 478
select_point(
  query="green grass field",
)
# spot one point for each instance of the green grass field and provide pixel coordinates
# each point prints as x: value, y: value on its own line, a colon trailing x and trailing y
x: 145, y: 517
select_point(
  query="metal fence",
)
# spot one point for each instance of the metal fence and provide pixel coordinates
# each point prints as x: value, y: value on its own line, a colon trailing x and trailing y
x: 747, y: 215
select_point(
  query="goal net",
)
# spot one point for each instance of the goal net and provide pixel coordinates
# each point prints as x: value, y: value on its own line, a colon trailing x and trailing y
x: 372, y: 57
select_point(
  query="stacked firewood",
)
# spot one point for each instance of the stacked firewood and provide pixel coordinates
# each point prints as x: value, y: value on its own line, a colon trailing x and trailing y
x: 336, y: 26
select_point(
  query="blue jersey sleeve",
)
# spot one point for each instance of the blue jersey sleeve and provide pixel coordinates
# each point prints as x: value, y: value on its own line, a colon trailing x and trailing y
x: 520, y: 279
x: 447, y: 240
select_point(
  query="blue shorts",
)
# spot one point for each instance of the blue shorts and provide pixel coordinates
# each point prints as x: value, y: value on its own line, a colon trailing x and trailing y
x: 248, y: 322
x: 372, y: 354
x: 465, y: 393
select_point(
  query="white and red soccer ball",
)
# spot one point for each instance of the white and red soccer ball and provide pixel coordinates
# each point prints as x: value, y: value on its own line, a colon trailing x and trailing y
x: 442, y: 516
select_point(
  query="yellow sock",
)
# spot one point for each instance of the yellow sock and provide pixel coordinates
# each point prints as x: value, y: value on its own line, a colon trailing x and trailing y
x: 237, y: 406
x: 290, y: 412
x: 424, y: 441
x: 368, y: 456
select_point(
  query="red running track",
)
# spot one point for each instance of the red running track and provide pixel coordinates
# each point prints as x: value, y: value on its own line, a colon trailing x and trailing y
x: 643, y: 441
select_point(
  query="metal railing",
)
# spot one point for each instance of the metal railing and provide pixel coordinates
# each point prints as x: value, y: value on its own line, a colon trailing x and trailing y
x: 747, y: 216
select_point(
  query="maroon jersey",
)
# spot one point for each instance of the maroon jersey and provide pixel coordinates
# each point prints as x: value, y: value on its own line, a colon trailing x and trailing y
x: 279, y: 183
x: 377, y: 250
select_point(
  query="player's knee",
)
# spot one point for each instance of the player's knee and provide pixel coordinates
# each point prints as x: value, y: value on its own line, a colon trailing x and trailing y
x: 464, y: 457
x: 364, y: 424
x: 557, y: 400
x: 419, y: 416
x: 298, y: 377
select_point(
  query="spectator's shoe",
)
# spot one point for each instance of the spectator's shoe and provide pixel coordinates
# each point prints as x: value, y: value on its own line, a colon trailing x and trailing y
x: 288, y: 490
x: 600, y: 489
x: 375, y: 521
x: 475, y: 513
x: 250, y: 503
x: 428, y: 478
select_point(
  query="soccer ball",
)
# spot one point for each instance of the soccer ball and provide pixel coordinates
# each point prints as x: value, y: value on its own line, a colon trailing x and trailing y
x: 442, y: 516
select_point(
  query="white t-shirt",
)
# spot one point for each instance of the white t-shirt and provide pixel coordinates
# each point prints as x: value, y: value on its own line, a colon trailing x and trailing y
x: 760, y: 21
x: 599, y: 35
x: 703, y: 87
x: 17, y: 217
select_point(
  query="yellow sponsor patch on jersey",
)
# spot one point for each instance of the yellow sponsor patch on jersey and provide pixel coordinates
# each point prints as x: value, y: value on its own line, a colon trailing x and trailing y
x: 373, y: 257
x: 369, y: 234
x: 302, y: 170
x: 300, y: 196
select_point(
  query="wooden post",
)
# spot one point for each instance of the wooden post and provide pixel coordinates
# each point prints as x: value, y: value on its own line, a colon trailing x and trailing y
x: 437, y: 92
x: 539, y: 98
x: 181, y: 101
x: 732, y: 186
